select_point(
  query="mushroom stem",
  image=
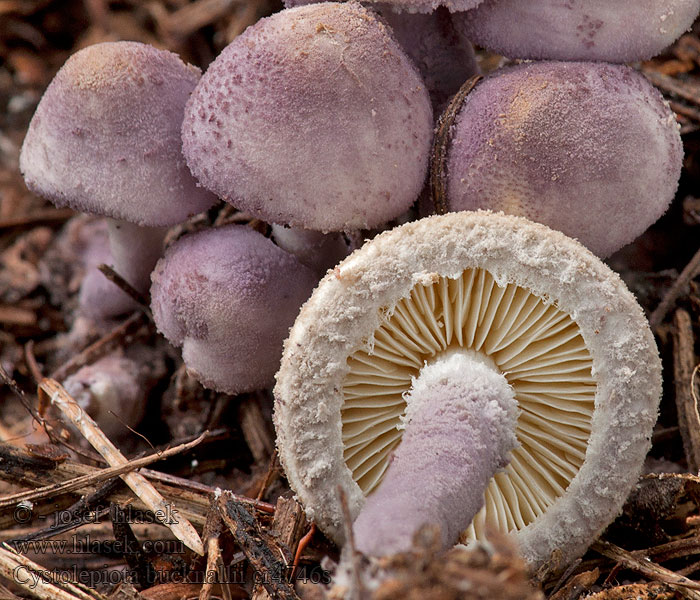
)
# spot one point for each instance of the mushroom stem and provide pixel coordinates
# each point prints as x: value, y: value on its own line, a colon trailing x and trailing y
x: 135, y: 251
x: 460, y: 428
x: 316, y: 250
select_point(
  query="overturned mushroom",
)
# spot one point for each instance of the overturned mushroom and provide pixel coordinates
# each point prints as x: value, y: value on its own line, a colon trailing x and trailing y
x: 619, y: 31
x: 532, y: 318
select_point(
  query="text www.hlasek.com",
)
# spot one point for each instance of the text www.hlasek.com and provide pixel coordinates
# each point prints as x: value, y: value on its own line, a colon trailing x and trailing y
x: 86, y: 545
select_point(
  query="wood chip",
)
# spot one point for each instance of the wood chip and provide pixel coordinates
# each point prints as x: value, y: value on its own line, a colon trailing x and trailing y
x: 270, y: 562
x: 576, y: 585
x: 686, y: 587
x: 256, y: 430
x: 686, y: 405
x: 288, y: 528
x: 637, y: 591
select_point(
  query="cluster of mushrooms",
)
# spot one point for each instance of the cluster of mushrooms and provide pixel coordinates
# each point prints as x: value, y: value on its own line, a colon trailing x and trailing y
x: 476, y: 370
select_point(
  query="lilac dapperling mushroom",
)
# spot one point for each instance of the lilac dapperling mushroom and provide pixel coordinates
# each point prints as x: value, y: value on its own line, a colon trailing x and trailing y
x: 313, y: 118
x: 114, y: 391
x: 428, y: 6
x: 228, y: 296
x: 432, y: 324
x: 318, y: 251
x: 105, y: 139
x: 576, y: 146
x: 444, y: 58
x: 407, y: 6
x: 619, y: 31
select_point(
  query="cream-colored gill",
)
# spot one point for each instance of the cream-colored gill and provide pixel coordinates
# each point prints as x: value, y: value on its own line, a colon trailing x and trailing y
x: 536, y: 346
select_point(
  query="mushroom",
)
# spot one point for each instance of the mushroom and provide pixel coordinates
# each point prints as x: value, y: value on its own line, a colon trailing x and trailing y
x: 316, y: 250
x: 105, y: 139
x: 619, y: 31
x: 114, y: 390
x: 228, y: 296
x: 408, y: 7
x: 576, y: 146
x: 246, y: 133
x: 447, y: 316
x: 99, y: 298
x: 444, y: 58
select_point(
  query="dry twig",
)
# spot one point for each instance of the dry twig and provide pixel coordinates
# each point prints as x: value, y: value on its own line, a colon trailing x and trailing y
x: 126, y: 287
x: 101, y: 347
x: 263, y: 552
x: 181, y: 527
x: 680, y: 284
x: 96, y: 476
x: 36, y: 580
x: 688, y: 588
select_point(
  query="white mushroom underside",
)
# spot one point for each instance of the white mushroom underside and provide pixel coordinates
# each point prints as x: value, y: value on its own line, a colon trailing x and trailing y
x: 536, y: 346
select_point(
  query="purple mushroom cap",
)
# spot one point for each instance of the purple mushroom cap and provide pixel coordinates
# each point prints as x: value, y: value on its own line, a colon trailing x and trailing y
x: 314, y: 117
x: 228, y: 296
x: 114, y: 385
x: 607, y: 30
x: 444, y: 58
x: 590, y: 149
x: 411, y: 6
x: 105, y: 137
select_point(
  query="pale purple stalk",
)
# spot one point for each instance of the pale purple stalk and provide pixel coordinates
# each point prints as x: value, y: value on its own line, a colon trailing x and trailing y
x: 100, y: 299
x: 135, y: 251
x: 460, y: 429
x: 318, y: 251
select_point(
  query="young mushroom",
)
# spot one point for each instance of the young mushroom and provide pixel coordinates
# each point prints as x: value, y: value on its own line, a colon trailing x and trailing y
x: 114, y: 390
x: 415, y: 361
x: 576, y: 146
x: 105, y: 139
x: 619, y: 31
x: 246, y: 133
x: 444, y: 58
x: 228, y: 296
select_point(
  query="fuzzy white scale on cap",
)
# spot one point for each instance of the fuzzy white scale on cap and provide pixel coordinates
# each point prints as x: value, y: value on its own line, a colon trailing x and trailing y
x: 460, y: 428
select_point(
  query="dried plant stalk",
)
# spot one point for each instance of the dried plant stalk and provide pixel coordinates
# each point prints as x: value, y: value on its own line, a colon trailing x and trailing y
x: 181, y: 527
x: 12, y: 565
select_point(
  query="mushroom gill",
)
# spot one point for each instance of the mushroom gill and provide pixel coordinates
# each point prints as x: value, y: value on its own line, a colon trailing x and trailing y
x: 536, y: 346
